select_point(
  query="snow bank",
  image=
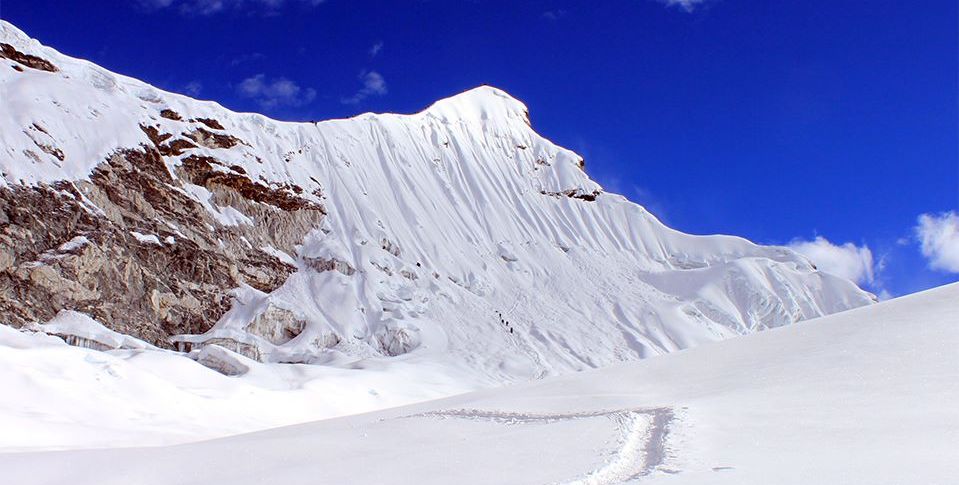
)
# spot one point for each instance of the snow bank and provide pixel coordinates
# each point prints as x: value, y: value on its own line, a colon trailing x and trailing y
x: 79, y: 329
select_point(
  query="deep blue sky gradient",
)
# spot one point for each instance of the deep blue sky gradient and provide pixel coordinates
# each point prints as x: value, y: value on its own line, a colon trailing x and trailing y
x: 768, y: 119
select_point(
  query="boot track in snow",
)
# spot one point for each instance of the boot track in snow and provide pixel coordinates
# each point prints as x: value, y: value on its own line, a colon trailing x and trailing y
x: 642, y: 443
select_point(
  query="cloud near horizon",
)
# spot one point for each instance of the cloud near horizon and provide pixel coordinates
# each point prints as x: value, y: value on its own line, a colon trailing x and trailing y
x: 271, y: 93
x: 846, y: 260
x: 939, y: 240
x: 193, y: 88
x: 687, y: 5
x: 373, y: 85
x: 208, y: 7
x: 554, y: 15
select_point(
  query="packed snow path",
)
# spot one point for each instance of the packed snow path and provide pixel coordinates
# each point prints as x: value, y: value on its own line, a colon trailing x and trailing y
x: 642, y: 442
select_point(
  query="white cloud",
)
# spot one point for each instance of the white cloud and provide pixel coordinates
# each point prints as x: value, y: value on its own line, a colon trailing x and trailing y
x: 939, y: 240
x: 246, y: 58
x: 193, y: 88
x: 155, y: 4
x: 207, y: 7
x: 376, y: 48
x: 554, y: 15
x: 687, y: 5
x: 847, y: 260
x: 373, y: 85
x: 270, y: 93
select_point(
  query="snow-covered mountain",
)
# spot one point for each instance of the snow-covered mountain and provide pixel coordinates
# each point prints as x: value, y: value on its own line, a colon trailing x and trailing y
x: 864, y: 396
x: 456, y: 236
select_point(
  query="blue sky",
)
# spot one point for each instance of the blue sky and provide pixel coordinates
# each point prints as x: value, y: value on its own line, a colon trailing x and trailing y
x: 780, y: 121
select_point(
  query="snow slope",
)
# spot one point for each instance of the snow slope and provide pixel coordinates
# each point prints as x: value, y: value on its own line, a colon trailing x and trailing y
x: 58, y: 396
x: 864, y: 396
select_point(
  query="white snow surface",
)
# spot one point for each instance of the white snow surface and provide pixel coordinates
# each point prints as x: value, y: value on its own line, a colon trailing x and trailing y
x: 58, y: 396
x: 456, y: 220
x: 863, y: 396
x: 146, y: 238
x: 69, y: 323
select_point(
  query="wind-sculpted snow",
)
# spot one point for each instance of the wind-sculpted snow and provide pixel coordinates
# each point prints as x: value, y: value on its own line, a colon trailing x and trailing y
x: 456, y: 236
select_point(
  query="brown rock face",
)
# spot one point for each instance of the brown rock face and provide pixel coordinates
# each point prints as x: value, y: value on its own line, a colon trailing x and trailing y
x: 170, y: 115
x: 210, y: 139
x: 7, y: 51
x: 574, y: 194
x: 133, y: 250
x: 201, y: 171
x: 211, y: 123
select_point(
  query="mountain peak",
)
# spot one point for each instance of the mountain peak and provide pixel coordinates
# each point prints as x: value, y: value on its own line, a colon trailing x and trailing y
x: 480, y: 103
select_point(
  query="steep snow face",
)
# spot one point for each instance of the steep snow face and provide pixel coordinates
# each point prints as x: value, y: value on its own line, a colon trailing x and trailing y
x: 456, y: 234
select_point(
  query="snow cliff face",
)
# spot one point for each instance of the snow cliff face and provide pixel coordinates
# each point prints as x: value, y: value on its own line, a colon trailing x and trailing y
x: 456, y: 233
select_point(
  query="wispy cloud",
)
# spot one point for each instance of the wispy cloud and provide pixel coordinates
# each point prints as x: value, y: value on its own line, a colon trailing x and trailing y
x: 939, y: 240
x: 271, y: 93
x: 554, y: 14
x: 155, y: 4
x: 687, y: 5
x: 846, y: 260
x: 375, y: 49
x: 193, y: 88
x: 373, y: 85
x: 208, y: 7
x: 246, y: 58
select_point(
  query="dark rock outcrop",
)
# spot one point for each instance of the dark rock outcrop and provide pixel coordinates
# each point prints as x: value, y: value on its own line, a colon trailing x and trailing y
x: 131, y: 248
x: 7, y: 51
x: 575, y: 194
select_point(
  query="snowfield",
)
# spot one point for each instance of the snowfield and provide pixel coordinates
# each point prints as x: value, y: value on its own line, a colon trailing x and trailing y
x: 865, y: 396
x: 59, y: 396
